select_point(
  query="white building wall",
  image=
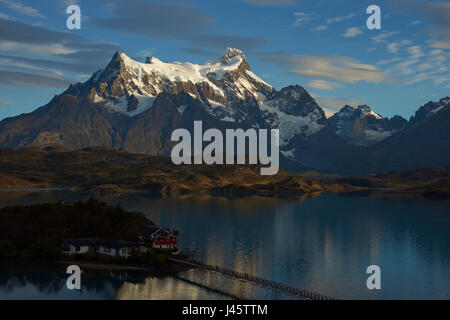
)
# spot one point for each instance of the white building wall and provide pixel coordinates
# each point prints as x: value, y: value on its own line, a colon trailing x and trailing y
x: 73, y: 250
x: 123, y: 252
x: 103, y: 250
x: 83, y: 249
x: 109, y: 251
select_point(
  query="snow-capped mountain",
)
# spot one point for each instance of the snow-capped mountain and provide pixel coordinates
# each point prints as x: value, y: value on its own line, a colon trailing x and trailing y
x: 226, y: 87
x: 130, y: 87
x: 361, y: 126
x: 136, y: 106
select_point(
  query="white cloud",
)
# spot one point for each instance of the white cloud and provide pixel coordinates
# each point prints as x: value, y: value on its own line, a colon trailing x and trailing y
x: 415, y: 22
x: 323, y: 85
x: 388, y: 61
x: 440, y: 45
x: 20, y: 8
x: 339, y: 19
x: 418, y: 66
x: 352, y: 32
x: 381, y: 38
x: 302, y: 17
x: 393, y: 47
x: 436, y: 52
x: 4, y: 16
x: 415, y: 52
x: 39, y: 49
x: 320, y: 28
x: 339, y: 68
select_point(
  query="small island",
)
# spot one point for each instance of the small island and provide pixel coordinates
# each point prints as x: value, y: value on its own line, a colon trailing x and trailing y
x: 94, y: 234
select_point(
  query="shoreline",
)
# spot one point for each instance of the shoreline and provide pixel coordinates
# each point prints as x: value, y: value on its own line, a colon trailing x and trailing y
x: 368, y: 192
x: 166, y: 268
x: 35, y: 189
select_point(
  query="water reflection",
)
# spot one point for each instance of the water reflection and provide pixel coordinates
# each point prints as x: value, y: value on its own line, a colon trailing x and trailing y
x: 323, y: 244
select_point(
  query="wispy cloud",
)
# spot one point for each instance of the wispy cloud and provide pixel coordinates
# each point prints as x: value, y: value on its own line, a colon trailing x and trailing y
x: 333, y: 20
x: 330, y: 67
x: 323, y: 85
x: 391, y: 46
x: 20, y: 8
x: 394, y: 47
x: 417, y: 65
x: 22, y: 79
x: 4, y: 16
x: 389, y: 61
x: 339, y: 18
x: 303, y: 17
x: 415, y: 22
x: 320, y: 28
x: 52, y: 54
x: 352, y: 32
x: 381, y: 38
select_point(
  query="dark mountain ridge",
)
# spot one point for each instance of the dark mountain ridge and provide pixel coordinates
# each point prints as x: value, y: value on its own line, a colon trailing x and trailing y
x: 136, y: 106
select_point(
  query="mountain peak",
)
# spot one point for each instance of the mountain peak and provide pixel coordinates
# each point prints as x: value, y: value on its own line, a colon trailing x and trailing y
x: 428, y: 109
x: 119, y: 56
x: 445, y: 100
x: 230, y: 54
x: 366, y: 111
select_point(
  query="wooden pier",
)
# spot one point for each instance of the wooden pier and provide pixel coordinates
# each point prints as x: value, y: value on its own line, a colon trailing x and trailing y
x: 251, y: 278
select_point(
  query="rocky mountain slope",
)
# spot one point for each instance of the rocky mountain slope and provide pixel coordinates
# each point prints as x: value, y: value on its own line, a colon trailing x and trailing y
x: 136, y: 106
x: 362, y: 126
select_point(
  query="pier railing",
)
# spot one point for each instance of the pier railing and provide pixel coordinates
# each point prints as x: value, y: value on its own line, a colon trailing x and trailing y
x: 251, y: 278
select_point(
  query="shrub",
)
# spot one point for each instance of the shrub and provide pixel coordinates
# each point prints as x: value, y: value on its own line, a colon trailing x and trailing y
x: 161, y: 258
x: 91, y: 255
x: 45, y: 249
x: 71, y: 257
x: 137, y: 259
x: 105, y: 258
x: 119, y: 259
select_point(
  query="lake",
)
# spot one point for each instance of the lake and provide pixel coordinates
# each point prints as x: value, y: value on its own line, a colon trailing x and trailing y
x: 323, y: 244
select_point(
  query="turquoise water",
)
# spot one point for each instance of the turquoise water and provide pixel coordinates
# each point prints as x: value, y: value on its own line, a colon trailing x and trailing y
x: 323, y: 244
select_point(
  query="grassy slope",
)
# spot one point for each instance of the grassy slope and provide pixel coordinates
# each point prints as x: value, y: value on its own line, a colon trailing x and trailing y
x: 108, y: 170
x: 431, y: 183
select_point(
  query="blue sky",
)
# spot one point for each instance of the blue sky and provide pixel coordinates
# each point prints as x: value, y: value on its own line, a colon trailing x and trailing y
x: 322, y: 45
